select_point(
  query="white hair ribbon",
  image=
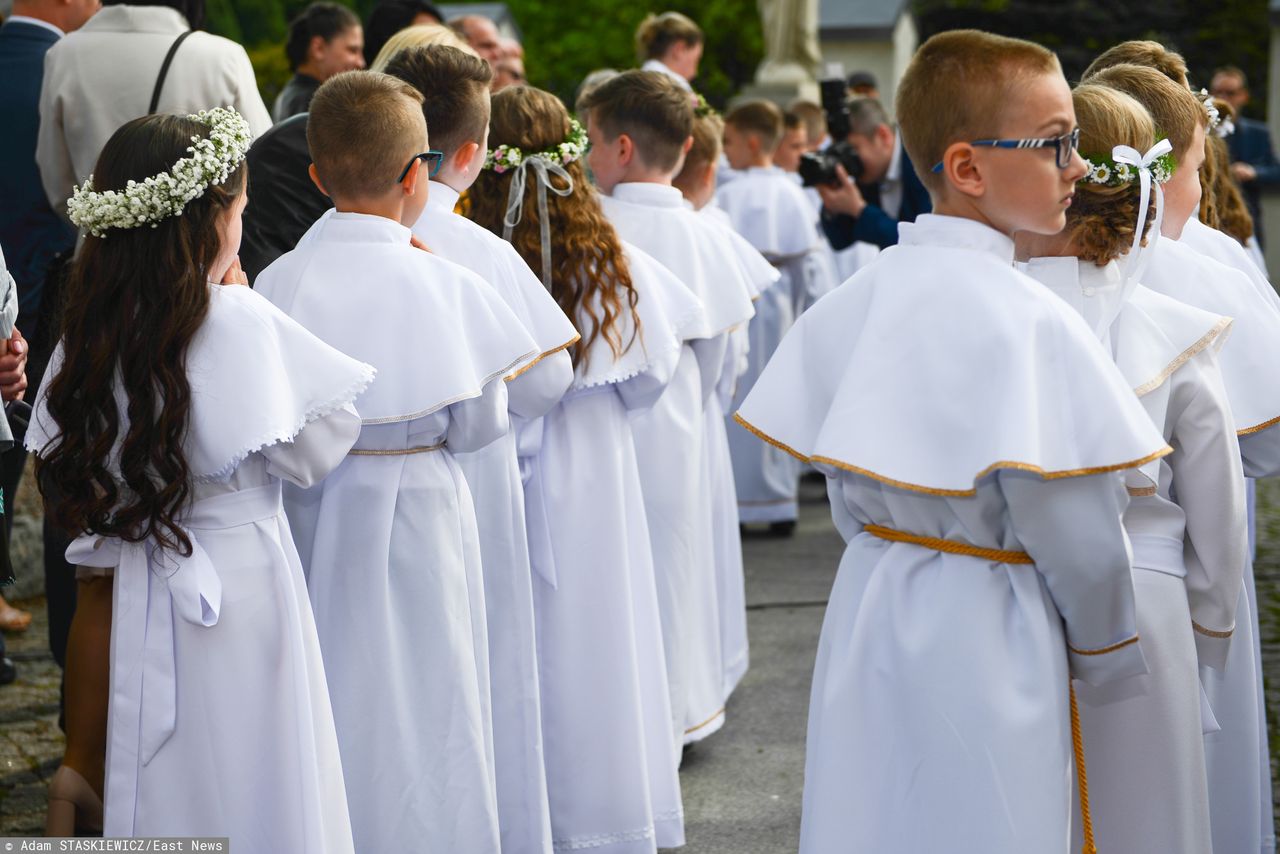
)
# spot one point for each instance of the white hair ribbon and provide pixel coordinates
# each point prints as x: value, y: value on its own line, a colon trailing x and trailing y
x: 515, y: 202
x: 1142, y: 162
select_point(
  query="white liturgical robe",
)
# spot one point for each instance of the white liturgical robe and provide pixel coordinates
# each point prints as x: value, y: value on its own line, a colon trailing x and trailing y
x: 390, y: 542
x: 219, y: 721
x: 945, y: 395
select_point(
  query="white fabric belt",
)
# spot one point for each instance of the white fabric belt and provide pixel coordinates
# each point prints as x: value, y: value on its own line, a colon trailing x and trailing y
x: 1158, y: 554
x: 152, y: 585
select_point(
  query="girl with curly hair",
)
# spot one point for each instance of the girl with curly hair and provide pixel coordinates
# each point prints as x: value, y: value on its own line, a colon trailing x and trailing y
x: 1185, y: 519
x: 606, y: 712
x: 175, y: 407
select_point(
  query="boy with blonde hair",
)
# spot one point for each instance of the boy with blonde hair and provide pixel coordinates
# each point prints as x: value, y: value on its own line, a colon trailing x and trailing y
x: 972, y: 429
x: 768, y: 208
x: 389, y: 539
x: 455, y: 90
x: 640, y: 124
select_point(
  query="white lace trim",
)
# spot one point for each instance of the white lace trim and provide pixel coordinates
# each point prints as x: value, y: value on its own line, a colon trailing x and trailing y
x: 579, y: 843
x: 617, y: 376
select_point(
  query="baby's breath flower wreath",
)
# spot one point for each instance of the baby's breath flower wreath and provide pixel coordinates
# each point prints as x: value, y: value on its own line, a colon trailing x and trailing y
x: 208, y: 162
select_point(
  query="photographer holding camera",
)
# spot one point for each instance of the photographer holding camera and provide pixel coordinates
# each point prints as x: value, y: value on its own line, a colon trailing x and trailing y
x: 871, y: 192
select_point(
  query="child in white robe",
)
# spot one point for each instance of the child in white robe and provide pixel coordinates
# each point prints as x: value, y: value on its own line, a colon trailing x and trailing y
x: 971, y: 428
x: 606, y: 715
x: 640, y: 125
x: 390, y: 541
x: 219, y: 717
x: 1186, y: 517
x: 771, y: 212
x: 697, y: 182
x: 455, y: 90
x: 1236, y: 755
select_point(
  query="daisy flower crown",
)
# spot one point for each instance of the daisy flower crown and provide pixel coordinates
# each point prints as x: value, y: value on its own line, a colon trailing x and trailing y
x: 1107, y: 173
x: 210, y: 160
x: 506, y: 157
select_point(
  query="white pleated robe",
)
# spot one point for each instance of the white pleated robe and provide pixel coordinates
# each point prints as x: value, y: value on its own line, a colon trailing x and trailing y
x: 768, y: 209
x: 493, y: 474
x: 939, y: 719
x: 219, y: 721
x: 1237, y: 755
x: 672, y: 447
x: 606, y: 715
x: 1186, y: 525
x: 391, y: 548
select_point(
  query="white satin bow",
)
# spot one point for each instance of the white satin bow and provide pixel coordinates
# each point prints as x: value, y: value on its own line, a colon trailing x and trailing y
x: 515, y: 202
x: 1143, y: 163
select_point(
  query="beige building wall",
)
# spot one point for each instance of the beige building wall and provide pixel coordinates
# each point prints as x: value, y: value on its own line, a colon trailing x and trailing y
x: 886, y: 58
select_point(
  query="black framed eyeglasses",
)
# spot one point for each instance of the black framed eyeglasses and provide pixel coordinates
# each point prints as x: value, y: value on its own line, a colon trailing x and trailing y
x: 432, y: 158
x: 1064, y: 146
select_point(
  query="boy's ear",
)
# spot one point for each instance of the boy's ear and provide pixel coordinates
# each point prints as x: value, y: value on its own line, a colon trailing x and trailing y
x: 626, y: 149
x: 463, y: 157
x: 410, y: 182
x: 962, y: 170
x: 315, y: 179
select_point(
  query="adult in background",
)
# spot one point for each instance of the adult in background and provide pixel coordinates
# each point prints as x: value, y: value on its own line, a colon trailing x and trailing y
x: 481, y: 34
x: 670, y: 43
x: 390, y: 17
x: 325, y: 39
x: 887, y: 192
x: 105, y: 74
x: 31, y: 236
x: 509, y: 70
x: 1253, y: 159
x: 862, y: 84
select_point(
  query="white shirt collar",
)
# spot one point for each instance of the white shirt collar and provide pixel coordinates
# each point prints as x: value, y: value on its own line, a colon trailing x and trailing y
x: 23, y: 19
x: 955, y: 232
x: 661, y: 67
x: 442, y: 196
x: 1096, y: 293
x: 646, y: 193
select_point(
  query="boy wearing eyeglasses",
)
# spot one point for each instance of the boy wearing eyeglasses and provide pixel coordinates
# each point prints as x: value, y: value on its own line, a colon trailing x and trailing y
x: 388, y: 541
x: 455, y: 90
x: 973, y: 432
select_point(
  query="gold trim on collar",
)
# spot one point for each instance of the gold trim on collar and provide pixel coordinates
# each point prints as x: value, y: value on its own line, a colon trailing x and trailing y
x: 1246, y: 431
x: 1185, y: 356
x: 565, y: 346
x: 951, y: 493
x: 1210, y: 632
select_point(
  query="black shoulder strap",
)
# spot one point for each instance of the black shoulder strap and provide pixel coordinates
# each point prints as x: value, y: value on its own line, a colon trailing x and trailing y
x: 164, y: 70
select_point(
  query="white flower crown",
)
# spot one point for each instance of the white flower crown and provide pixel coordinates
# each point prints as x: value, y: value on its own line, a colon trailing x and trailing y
x: 159, y: 197
x: 506, y: 157
x: 1108, y: 173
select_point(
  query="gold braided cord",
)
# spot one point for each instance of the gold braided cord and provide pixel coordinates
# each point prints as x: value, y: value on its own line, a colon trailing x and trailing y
x: 1082, y: 776
x: 949, y: 546
x: 394, y: 452
x: 951, y: 493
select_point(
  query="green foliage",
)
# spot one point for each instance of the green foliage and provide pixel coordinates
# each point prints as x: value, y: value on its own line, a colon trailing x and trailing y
x: 563, y: 41
x: 1208, y: 35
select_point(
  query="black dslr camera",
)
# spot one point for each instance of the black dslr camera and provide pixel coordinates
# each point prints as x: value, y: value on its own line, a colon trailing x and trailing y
x: 819, y: 167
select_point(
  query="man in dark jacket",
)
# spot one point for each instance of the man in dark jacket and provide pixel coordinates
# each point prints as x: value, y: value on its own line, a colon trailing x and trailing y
x: 887, y: 192
x: 31, y: 234
x: 1253, y: 160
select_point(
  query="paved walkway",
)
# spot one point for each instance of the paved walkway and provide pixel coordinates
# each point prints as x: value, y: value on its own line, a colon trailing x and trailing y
x: 741, y: 786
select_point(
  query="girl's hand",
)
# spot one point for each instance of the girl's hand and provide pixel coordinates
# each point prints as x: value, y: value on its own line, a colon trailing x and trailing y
x: 235, y: 275
x: 13, y: 368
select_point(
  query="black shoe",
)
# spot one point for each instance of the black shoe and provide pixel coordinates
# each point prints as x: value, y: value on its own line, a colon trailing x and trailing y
x: 783, y: 529
x: 8, y: 672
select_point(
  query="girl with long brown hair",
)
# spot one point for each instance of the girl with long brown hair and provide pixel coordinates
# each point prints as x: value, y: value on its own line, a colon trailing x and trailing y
x: 611, y: 766
x: 174, y: 408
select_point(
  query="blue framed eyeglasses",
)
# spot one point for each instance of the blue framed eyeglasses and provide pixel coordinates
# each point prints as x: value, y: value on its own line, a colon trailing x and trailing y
x: 432, y: 158
x: 1064, y: 146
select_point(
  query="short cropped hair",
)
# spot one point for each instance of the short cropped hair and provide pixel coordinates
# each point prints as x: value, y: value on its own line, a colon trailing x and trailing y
x: 1232, y: 71
x: 814, y: 118
x: 647, y: 106
x: 362, y: 129
x: 955, y: 89
x: 1148, y: 53
x: 657, y: 33
x: 1174, y: 109
x: 762, y: 118
x: 867, y: 114
x: 455, y: 92
x: 325, y: 20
